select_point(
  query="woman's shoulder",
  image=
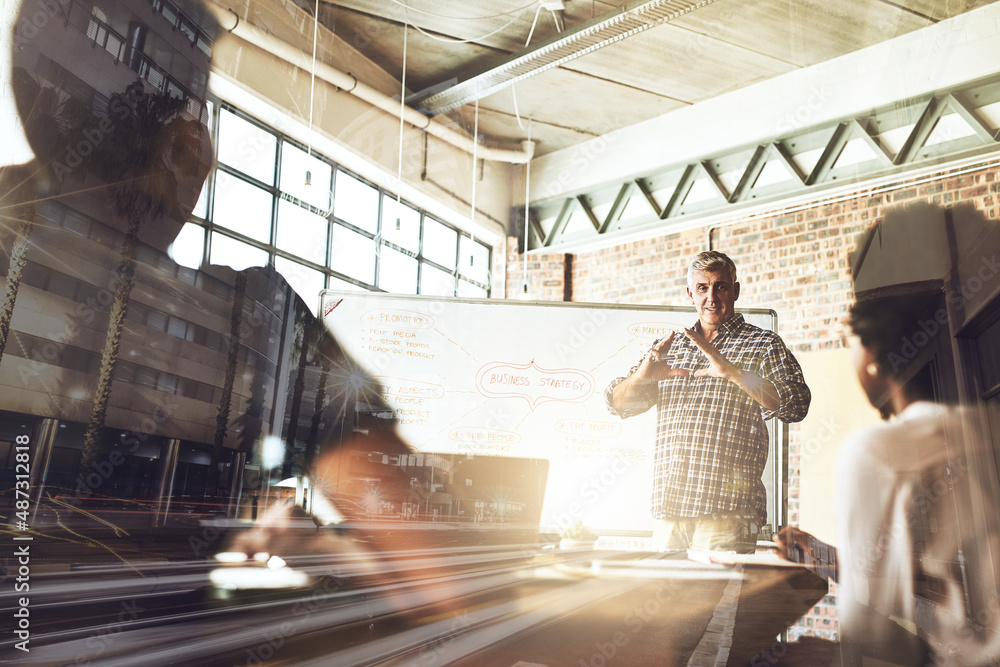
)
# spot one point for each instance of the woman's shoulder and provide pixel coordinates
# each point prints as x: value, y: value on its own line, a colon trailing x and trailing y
x: 910, y: 441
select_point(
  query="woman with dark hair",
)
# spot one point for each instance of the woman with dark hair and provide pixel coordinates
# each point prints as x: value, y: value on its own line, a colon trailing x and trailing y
x: 918, y: 583
x: 882, y: 326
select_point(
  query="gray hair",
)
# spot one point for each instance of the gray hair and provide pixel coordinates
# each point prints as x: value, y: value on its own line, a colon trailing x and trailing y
x: 711, y: 260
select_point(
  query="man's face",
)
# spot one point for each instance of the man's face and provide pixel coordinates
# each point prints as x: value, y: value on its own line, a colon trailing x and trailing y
x: 714, y: 295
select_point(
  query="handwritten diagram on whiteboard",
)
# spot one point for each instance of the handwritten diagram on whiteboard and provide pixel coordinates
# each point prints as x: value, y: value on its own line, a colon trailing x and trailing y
x: 519, y: 379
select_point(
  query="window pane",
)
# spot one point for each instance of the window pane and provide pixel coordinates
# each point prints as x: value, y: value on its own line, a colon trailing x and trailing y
x: 204, y: 44
x: 189, y: 246
x: 145, y: 377
x: 436, y: 282
x: 988, y: 344
x: 242, y: 207
x: 397, y: 272
x: 201, y: 207
x: 125, y: 372
x: 244, y: 146
x: 343, y: 285
x: 156, y: 320
x: 187, y: 29
x: 408, y: 234
x: 306, y: 282
x: 439, y: 243
x: 295, y: 162
x: 353, y: 254
x: 177, y: 327
x: 166, y: 382
x: 230, y: 252
x: 301, y: 232
x: 473, y: 260
x: 356, y: 202
x: 470, y: 291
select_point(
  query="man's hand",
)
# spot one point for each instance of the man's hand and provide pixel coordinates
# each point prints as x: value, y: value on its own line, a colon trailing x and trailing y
x: 792, y: 543
x: 799, y: 546
x: 755, y: 386
x: 718, y: 365
x: 653, y: 368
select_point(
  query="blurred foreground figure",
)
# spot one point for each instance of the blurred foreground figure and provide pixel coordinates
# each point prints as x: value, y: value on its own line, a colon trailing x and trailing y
x: 910, y: 490
x: 148, y: 388
x: 916, y: 497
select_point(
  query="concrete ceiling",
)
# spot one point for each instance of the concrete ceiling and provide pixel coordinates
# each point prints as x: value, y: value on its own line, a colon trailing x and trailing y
x: 717, y: 48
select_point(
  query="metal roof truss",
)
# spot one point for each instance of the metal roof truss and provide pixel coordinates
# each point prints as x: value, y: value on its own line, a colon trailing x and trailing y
x: 901, y: 137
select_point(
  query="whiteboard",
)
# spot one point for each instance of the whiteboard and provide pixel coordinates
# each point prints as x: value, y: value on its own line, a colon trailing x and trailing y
x: 487, y: 377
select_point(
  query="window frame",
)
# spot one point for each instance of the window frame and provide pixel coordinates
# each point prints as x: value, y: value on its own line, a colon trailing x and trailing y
x: 218, y: 107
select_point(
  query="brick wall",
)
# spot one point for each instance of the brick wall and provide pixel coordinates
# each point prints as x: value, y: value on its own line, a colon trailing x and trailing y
x: 821, y: 621
x: 793, y: 262
x: 547, y: 280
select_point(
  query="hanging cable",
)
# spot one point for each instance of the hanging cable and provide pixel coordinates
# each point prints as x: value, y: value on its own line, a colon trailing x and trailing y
x: 533, y: 23
x: 559, y: 22
x: 312, y: 74
x: 312, y: 87
x: 527, y: 213
x: 513, y: 88
x: 475, y: 161
x: 402, y: 107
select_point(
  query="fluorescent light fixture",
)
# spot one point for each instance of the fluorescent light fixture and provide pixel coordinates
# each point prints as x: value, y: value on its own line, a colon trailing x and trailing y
x: 625, y: 21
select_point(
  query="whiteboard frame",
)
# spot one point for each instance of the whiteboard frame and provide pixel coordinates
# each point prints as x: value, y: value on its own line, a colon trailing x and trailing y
x: 775, y: 476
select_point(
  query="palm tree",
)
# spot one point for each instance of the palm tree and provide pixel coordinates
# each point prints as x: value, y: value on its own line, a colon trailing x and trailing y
x: 52, y: 121
x: 16, y: 220
x: 225, y: 402
x: 325, y: 350
x: 305, y: 326
x: 145, y: 131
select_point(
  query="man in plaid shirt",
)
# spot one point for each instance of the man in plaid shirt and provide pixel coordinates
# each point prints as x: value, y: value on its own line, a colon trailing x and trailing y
x: 713, y: 386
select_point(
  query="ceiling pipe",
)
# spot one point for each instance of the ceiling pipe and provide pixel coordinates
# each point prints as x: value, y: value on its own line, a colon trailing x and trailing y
x: 349, y: 84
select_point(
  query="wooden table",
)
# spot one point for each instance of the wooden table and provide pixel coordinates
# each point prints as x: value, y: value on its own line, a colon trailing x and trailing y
x: 655, y: 611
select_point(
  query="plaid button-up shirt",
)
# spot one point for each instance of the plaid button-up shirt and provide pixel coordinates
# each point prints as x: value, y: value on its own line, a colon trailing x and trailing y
x: 711, y: 442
